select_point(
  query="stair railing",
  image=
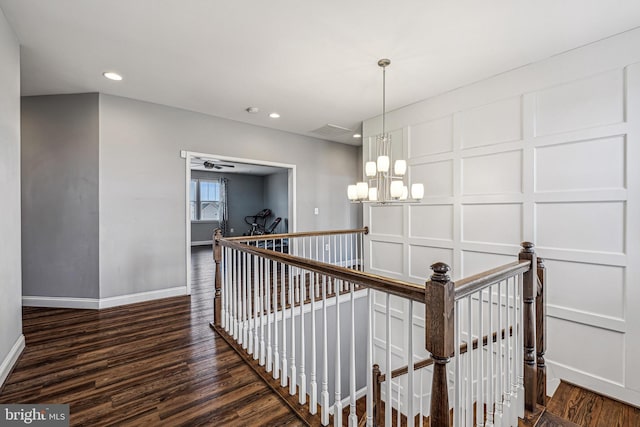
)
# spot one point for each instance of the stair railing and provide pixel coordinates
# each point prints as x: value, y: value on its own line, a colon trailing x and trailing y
x: 287, y: 312
x: 497, y: 382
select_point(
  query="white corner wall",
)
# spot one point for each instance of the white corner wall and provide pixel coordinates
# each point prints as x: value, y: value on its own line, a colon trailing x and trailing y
x: 546, y: 153
x: 142, y: 186
x: 11, y: 338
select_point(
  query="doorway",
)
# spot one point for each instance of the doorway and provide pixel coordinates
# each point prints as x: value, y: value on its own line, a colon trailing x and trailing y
x: 198, y: 164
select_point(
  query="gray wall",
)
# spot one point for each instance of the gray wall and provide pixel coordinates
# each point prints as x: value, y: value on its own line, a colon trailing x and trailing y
x: 276, y: 198
x: 10, y: 292
x: 246, y: 197
x: 140, y: 251
x: 60, y: 195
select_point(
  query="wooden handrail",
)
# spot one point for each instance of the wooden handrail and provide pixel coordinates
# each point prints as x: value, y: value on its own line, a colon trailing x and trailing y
x: 472, y: 284
x: 364, y: 230
x: 428, y: 362
x: 380, y: 283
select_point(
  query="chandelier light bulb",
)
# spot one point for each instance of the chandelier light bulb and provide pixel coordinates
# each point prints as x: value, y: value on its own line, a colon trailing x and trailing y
x: 383, y: 163
x: 362, y: 189
x: 370, y: 169
x: 405, y: 193
x: 400, y: 167
x: 396, y: 189
x: 352, y: 192
x: 417, y: 191
x: 373, y: 194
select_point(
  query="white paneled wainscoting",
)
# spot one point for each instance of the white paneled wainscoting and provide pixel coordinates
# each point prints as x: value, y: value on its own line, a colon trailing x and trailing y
x: 547, y: 153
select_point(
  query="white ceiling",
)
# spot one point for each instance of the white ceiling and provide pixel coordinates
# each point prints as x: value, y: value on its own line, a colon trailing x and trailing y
x: 314, y: 62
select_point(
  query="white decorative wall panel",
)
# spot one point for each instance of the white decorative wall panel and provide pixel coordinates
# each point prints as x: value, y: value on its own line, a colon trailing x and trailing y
x: 431, y: 137
x: 587, y: 349
x: 386, y: 256
x: 494, y: 223
x: 492, y: 123
x: 592, y: 226
x: 499, y: 173
x: 431, y: 221
x: 422, y: 257
x: 547, y: 153
x: 477, y: 262
x: 592, y: 288
x: 595, y: 164
x: 386, y: 220
x: 580, y: 104
x: 437, y: 177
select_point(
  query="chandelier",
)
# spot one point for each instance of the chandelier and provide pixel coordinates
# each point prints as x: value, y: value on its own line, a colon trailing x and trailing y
x: 384, y: 185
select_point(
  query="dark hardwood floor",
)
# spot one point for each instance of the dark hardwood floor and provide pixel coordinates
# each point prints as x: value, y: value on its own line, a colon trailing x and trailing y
x: 588, y: 409
x: 156, y: 363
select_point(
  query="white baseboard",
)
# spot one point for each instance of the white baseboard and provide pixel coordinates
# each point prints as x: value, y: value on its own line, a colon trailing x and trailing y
x: 11, y: 359
x: 557, y: 371
x: 142, y: 296
x: 95, y: 303
x: 61, y: 302
x: 202, y: 243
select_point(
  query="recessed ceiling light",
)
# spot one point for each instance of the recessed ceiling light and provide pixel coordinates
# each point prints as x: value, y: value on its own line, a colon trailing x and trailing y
x: 274, y: 115
x: 357, y: 135
x: 252, y: 110
x: 112, y: 76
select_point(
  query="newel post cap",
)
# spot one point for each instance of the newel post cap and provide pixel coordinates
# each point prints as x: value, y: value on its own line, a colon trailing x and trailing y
x: 440, y: 270
x: 527, y: 247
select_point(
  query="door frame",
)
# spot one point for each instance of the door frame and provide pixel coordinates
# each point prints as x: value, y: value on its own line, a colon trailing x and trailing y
x: 188, y: 155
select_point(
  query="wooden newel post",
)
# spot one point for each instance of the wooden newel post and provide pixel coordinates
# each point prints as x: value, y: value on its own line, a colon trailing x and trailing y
x: 439, y: 330
x: 217, y: 298
x: 541, y: 333
x: 529, y: 289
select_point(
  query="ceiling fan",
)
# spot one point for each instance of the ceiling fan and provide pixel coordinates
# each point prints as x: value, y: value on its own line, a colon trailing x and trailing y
x: 211, y: 165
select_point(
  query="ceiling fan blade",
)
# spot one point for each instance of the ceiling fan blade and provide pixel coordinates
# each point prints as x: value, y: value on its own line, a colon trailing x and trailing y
x: 228, y: 166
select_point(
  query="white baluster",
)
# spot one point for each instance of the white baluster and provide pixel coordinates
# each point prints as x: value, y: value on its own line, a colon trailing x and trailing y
x: 398, y: 418
x: 457, y: 365
x: 246, y: 315
x: 313, y: 386
x: 284, y: 278
x: 292, y: 359
x: 276, y: 354
x: 261, y: 283
x: 480, y: 401
x: 410, y: 372
x: 421, y: 413
x: 267, y: 298
x: 507, y: 370
x: 515, y: 352
x: 499, y: 410
x: 256, y: 309
x: 337, y: 403
x: 324, y: 394
x: 389, y: 393
x: 491, y: 400
x: 353, y: 417
x: 469, y: 387
x: 302, y: 397
x: 520, y: 347
x: 369, y: 358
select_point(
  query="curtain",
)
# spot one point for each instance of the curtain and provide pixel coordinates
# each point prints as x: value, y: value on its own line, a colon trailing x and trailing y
x: 223, y: 206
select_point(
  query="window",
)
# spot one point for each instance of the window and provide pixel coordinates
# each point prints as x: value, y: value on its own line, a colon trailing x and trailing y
x: 205, y: 199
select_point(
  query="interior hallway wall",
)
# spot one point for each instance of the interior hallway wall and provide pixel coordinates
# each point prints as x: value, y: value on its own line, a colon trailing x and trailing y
x: 11, y: 338
x: 142, y: 213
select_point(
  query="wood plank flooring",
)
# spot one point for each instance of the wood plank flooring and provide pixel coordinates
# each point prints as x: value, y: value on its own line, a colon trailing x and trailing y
x: 588, y: 409
x: 155, y: 363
